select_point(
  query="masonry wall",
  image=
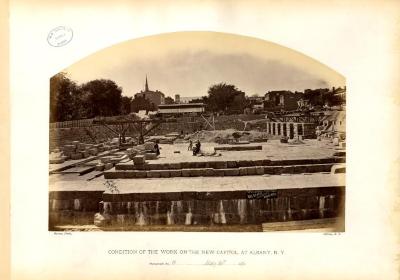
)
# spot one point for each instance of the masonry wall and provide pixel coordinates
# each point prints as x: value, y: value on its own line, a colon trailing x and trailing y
x: 291, y: 129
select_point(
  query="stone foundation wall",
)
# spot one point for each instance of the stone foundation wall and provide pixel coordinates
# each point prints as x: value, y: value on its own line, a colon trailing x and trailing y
x: 197, y: 208
x: 291, y: 130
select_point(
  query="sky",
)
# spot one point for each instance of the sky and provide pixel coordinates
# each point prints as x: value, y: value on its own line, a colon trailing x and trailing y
x: 188, y: 63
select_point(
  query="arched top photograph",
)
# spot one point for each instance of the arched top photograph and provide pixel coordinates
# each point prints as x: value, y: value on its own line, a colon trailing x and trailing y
x: 197, y: 131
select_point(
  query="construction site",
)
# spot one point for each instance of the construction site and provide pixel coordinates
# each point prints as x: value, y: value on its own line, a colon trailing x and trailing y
x: 273, y: 172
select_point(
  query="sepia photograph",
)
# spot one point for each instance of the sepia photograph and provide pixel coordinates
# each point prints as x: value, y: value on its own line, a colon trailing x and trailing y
x: 200, y: 132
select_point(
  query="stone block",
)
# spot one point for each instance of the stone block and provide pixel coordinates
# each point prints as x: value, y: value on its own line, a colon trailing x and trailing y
x: 175, y: 173
x: 139, y: 160
x: 185, y: 172
x: 210, y: 164
x: 221, y: 165
x: 266, y: 162
x: 209, y: 172
x: 288, y: 169
x: 175, y: 165
x: 242, y: 171
x: 251, y: 170
x: 141, y: 174
x: 76, y: 156
x: 111, y: 175
x: 99, y: 167
x: 165, y: 173
x: 336, y: 141
x: 108, y: 166
x: 200, y: 164
x: 219, y: 172
x: 153, y: 174
x: 231, y: 172
x: 130, y: 174
x: 259, y: 170
x: 231, y: 164
x: 150, y: 156
x: 195, y: 172
x: 185, y: 165
x: 338, y: 168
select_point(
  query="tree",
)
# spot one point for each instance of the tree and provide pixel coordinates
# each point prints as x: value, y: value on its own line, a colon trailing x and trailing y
x: 62, y: 90
x: 104, y: 96
x: 126, y: 105
x: 141, y: 103
x: 169, y: 100
x: 225, y: 97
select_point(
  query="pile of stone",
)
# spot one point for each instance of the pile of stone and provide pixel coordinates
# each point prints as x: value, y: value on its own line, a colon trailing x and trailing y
x: 146, y: 150
x: 78, y: 150
x: 56, y: 157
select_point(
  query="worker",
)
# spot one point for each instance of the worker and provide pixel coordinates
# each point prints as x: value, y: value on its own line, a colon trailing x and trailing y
x: 157, y: 148
x: 197, y: 147
x: 190, y: 147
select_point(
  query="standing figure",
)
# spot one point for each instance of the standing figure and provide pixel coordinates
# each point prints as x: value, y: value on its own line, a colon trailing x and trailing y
x: 190, y: 147
x: 157, y: 149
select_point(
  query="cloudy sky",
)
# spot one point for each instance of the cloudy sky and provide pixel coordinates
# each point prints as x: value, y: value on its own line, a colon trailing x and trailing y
x: 187, y: 63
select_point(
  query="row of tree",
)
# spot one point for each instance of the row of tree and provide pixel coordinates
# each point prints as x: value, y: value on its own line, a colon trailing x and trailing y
x: 70, y: 101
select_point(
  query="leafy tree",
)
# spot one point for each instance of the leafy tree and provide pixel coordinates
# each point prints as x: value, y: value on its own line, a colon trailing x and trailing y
x: 104, y: 96
x: 169, y: 100
x: 126, y: 105
x: 141, y: 103
x: 62, y: 90
x: 225, y: 97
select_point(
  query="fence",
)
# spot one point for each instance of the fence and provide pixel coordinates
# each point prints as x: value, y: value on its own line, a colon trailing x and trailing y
x: 70, y: 124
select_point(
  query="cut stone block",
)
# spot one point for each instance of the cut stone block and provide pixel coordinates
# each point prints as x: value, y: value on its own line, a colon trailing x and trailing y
x: 209, y: 172
x: 139, y: 160
x: 242, y: 171
x: 251, y: 170
x: 76, y: 156
x: 105, y: 159
x: 175, y: 173
x: 231, y: 164
x: 219, y: 172
x: 108, y: 166
x: 336, y: 141
x: 195, y: 172
x: 221, y: 165
x: 231, y: 172
x: 338, y: 168
x: 185, y: 172
x: 141, y: 174
x: 99, y: 167
x: 153, y: 174
x: 150, y: 156
x: 165, y: 173
x: 130, y: 174
x: 175, y: 166
x: 259, y: 170
x: 56, y: 160
x: 288, y: 169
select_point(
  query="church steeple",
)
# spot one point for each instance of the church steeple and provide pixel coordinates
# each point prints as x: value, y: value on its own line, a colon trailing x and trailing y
x: 146, y: 87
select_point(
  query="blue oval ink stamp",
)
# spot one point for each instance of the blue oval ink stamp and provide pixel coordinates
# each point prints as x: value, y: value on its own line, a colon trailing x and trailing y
x: 60, y: 36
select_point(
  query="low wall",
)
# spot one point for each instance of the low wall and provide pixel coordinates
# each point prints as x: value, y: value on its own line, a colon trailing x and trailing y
x: 198, y: 208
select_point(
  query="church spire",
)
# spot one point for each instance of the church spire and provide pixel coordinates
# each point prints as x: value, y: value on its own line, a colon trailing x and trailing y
x: 146, y: 88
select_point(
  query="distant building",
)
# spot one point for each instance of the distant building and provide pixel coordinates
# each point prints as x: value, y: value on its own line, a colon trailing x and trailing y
x: 181, y: 109
x: 281, y: 100
x: 154, y: 97
x: 187, y: 99
x: 177, y: 98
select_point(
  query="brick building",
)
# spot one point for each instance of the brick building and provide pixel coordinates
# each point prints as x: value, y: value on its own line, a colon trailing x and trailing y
x: 155, y: 97
x: 281, y: 100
